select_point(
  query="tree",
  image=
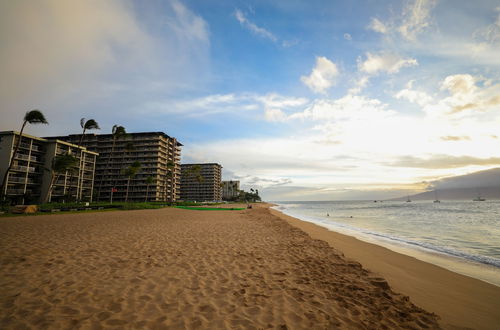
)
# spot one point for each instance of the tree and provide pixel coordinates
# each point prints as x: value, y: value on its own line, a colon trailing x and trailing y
x: 149, y: 180
x: 117, y: 133
x: 131, y: 172
x: 33, y: 117
x: 61, y: 164
x: 85, y: 125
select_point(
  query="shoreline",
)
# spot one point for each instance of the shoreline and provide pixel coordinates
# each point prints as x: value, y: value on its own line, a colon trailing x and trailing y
x: 458, y: 299
x: 468, y: 267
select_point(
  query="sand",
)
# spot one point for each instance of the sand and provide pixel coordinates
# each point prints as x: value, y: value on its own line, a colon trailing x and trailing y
x: 460, y: 301
x: 185, y: 269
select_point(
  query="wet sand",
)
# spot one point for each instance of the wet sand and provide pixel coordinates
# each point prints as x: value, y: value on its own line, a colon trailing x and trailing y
x: 460, y: 301
x: 185, y: 269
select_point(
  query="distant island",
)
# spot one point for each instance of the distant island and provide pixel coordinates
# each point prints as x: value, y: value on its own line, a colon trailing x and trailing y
x: 485, y: 184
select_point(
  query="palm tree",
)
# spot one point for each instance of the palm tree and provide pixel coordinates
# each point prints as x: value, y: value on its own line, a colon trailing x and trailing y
x: 31, y: 117
x: 117, y: 132
x: 85, y: 125
x: 149, y: 180
x: 61, y: 164
x: 130, y: 172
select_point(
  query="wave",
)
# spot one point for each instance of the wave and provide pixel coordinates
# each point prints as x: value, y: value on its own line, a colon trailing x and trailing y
x: 332, y: 225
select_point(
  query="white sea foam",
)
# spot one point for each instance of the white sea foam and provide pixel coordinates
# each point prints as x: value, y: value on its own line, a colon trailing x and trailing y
x: 461, y: 236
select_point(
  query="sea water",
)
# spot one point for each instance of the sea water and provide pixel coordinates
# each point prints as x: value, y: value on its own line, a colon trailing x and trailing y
x: 462, y: 236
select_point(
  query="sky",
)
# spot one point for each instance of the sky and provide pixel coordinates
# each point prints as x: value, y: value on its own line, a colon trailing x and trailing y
x: 303, y: 100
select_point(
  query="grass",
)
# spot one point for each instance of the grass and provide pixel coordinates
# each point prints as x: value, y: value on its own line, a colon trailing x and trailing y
x: 211, y: 208
x: 67, y: 208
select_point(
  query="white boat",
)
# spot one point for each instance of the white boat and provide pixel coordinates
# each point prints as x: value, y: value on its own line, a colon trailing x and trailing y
x: 479, y: 198
x: 436, y: 200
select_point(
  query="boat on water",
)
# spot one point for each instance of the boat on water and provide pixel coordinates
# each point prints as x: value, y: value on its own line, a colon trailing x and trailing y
x: 408, y: 200
x: 435, y: 196
x: 479, y: 199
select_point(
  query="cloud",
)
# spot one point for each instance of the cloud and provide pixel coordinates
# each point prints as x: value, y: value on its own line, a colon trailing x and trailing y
x: 322, y: 76
x: 384, y: 62
x: 378, y: 26
x: 274, y: 107
x: 490, y: 33
x: 455, y: 138
x: 413, y: 96
x: 414, y: 20
x: 460, y: 84
x: 347, y: 36
x: 240, y: 16
x: 466, y: 97
x: 443, y: 161
x: 95, y: 52
x: 346, y: 107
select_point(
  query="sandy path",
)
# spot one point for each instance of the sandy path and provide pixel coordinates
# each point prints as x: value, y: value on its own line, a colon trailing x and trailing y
x: 176, y: 269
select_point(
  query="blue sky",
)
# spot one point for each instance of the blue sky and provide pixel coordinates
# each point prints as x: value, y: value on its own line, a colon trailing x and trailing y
x: 304, y: 100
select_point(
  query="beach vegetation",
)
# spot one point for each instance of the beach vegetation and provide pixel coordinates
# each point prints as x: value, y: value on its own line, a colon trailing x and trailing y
x: 149, y: 181
x: 32, y: 117
x: 62, y: 164
x: 130, y: 172
x: 86, y: 125
x: 117, y: 132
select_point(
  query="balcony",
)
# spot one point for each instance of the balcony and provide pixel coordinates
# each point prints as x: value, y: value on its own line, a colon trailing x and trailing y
x: 24, y: 169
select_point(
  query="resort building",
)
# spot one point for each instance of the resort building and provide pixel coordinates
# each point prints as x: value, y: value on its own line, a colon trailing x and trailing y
x: 29, y: 179
x: 201, y: 182
x: 230, y: 190
x: 157, y: 178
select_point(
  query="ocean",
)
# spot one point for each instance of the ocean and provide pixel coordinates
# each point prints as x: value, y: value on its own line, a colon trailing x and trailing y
x: 462, y: 236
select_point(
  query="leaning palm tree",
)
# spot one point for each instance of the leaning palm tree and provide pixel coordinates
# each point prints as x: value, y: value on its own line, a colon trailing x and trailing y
x: 85, y: 125
x: 130, y: 172
x: 31, y: 117
x: 149, y: 181
x: 62, y: 164
x: 117, y: 132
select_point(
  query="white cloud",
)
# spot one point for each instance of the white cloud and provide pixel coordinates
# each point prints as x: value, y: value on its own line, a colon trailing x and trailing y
x: 467, y: 99
x: 414, y: 19
x: 274, y: 115
x: 347, y: 36
x: 378, y: 26
x: 273, y: 106
x: 460, y: 84
x: 252, y: 27
x: 322, y: 76
x: 414, y: 96
x: 359, y: 85
x: 384, y: 62
x: 95, y: 52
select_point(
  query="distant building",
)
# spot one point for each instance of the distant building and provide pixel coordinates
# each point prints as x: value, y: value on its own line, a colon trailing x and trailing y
x: 201, y: 182
x: 158, y: 154
x: 230, y: 190
x: 29, y: 178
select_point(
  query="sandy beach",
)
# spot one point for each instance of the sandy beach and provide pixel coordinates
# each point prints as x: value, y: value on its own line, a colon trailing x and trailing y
x: 460, y: 301
x: 185, y: 269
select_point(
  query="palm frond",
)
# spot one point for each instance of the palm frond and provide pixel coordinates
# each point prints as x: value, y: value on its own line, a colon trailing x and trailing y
x: 35, y: 117
x: 89, y: 124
